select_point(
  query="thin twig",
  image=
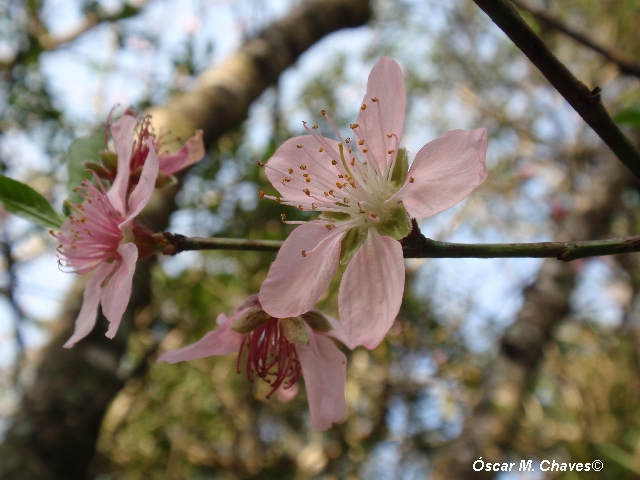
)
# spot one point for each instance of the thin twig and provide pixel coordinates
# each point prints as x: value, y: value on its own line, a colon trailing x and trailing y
x: 587, y: 103
x: 417, y: 246
x: 625, y: 64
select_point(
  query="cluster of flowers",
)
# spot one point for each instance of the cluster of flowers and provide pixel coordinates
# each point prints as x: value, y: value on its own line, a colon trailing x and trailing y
x: 366, y: 195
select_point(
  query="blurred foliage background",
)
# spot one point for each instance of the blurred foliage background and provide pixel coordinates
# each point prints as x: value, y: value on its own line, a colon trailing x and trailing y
x: 64, y: 64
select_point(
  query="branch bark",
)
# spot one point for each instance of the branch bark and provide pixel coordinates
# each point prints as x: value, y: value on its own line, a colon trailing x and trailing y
x: 54, y: 433
x: 587, y: 103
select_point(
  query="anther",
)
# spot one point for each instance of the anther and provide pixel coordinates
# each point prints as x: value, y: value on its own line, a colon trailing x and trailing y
x: 261, y: 164
x: 389, y: 135
x: 334, y: 162
x: 283, y: 217
x: 261, y: 193
x: 411, y: 179
x: 278, y: 199
x: 353, y: 125
x: 306, y: 192
x: 304, y: 253
x: 365, y: 150
x: 313, y: 206
x: 308, y: 180
x: 301, y: 208
x: 340, y: 176
x: 373, y: 214
x: 303, y: 167
x: 299, y: 146
x: 290, y: 170
x: 361, y: 142
x: 315, y: 127
x: 390, y: 151
x: 375, y: 99
x: 323, y: 112
x: 363, y: 107
x: 321, y: 149
x: 345, y: 200
x: 286, y: 179
x: 338, y: 184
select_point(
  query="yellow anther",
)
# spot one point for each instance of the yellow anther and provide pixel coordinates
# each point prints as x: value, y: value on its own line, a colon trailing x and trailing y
x: 303, y: 167
x: 330, y: 192
x: 261, y: 164
x: 315, y: 127
x: 338, y: 184
x: 345, y: 200
x: 299, y: 146
x: 411, y: 180
x: 373, y: 214
x: 286, y: 179
x: 334, y: 162
x: 313, y: 206
x: 308, y: 180
x: 323, y: 112
x: 283, y: 217
x: 304, y: 253
x: 291, y: 170
x: 365, y: 150
x: 326, y: 194
x: 375, y: 99
x: 305, y: 175
x: 307, y: 192
x: 340, y: 176
x: 363, y: 107
x: 390, y: 151
x: 261, y: 193
x: 320, y: 149
x: 278, y: 199
x: 353, y: 162
x: 361, y: 142
x: 354, y: 125
x: 300, y: 207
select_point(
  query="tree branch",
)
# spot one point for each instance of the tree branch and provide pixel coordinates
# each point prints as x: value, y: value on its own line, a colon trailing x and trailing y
x: 587, y: 103
x: 625, y: 64
x: 417, y: 246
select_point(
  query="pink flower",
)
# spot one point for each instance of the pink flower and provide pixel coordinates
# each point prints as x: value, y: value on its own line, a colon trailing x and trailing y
x: 101, y: 236
x: 366, y: 196
x: 169, y: 163
x: 279, y: 351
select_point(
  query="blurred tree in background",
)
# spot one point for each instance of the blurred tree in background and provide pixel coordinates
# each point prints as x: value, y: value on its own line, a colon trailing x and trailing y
x: 501, y: 359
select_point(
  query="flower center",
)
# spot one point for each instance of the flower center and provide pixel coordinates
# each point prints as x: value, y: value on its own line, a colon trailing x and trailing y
x: 90, y: 235
x: 270, y: 356
x: 352, y: 186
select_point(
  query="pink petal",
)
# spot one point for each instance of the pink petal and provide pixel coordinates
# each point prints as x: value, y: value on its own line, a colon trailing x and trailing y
x: 122, y: 132
x: 324, y: 368
x: 337, y: 332
x: 191, y: 152
x: 118, y: 289
x: 445, y: 171
x: 88, y: 313
x: 220, y: 341
x: 371, y: 290
x: 294, y: 282
x: 317, y: 164
x: 147, y: 183
x: 385, y: 83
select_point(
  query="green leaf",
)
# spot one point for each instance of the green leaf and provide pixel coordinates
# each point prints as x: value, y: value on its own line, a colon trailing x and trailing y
x: 23, y: 201
x: 629, y: 116
x: 80, y: 151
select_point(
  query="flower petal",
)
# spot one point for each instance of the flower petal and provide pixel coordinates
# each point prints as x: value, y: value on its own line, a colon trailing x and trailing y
x: 337, y: 332
x: 89, y: 311
x: 147, y: 183
x: 324, y: 368
x: 385, y: 83
x: 191, y: 152
x: 296, y: 282
x: 220, y: 341
x: 122, y: 132
x: 371, y: 290
x: 316, y: 163
x: 445, y: 171
x: 118, y: 289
